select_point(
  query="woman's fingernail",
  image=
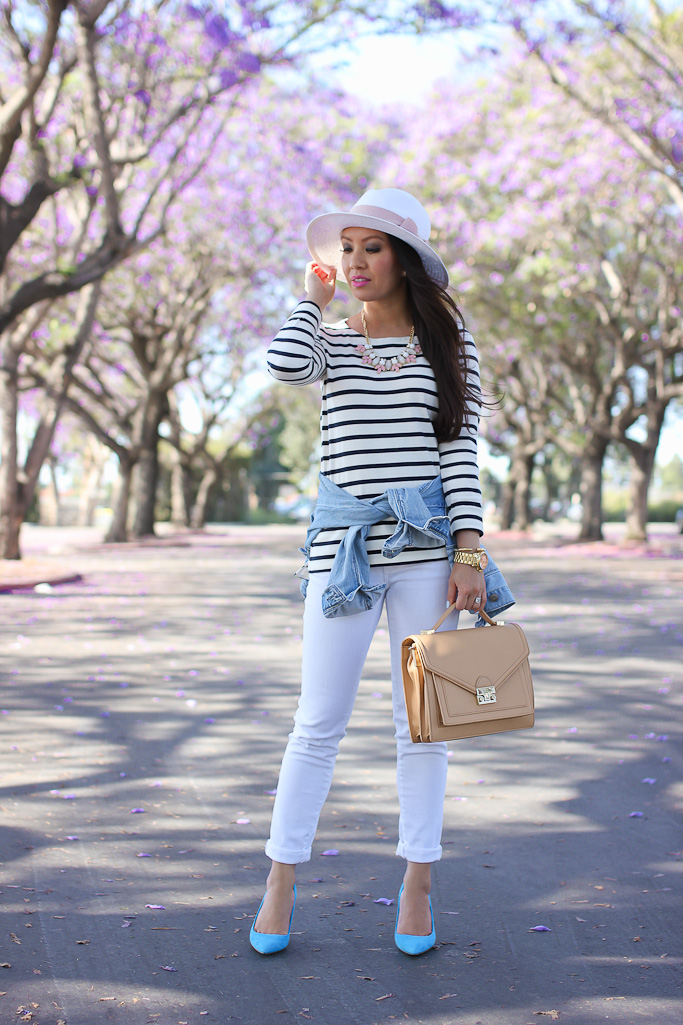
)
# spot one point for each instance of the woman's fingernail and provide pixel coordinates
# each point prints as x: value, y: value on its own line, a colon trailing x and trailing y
x: 448, y: 605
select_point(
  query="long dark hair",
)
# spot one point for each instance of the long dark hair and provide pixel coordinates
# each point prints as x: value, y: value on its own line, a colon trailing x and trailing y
x: 440, y: 329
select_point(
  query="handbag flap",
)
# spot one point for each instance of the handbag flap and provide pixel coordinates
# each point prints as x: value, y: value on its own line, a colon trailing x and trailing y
x: 467, y: 657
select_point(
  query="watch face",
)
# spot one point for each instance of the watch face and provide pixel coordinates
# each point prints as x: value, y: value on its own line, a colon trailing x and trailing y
x: 483, y: 560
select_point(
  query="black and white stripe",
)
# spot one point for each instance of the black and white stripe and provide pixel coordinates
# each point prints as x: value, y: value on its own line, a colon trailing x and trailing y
x: 377, y: 428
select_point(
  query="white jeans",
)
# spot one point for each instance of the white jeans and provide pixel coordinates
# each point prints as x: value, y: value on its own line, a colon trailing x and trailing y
x: 334, y: 652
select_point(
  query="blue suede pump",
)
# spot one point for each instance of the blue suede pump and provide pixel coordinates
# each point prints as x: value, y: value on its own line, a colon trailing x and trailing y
x: 267, y: 942
x: 413, y: 944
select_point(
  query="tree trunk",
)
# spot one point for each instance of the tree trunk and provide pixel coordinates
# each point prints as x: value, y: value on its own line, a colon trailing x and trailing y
x: 95, y: 458
x: 642, y: 465
x: 147, y: 468
x: 179, y: 492
x: 507, y: 508
x: 55, y: 491
x: 17, y: 487
x: 523, y: 467
x: 12, y: 508
x: 552, y: 489
x: 198, y: 518
x: 592, y: 458
x: 118, y: 527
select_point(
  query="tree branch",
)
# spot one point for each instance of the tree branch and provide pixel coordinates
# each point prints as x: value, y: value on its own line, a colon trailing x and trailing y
x: 12, y: 110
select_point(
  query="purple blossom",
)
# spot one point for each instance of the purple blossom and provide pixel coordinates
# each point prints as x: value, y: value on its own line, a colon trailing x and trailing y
x: 228, y: 78
x: 249, y: 62
x: 218, y: 30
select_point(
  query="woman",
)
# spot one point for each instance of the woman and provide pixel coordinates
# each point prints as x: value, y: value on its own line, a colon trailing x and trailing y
x: 399, y: 490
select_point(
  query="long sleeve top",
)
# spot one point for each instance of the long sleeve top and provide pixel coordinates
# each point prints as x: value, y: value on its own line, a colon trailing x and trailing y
x: 377, y: 429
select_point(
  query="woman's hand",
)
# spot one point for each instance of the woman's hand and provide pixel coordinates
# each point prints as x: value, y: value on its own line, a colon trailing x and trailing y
x: 465, y: 585
x: 320, y: 286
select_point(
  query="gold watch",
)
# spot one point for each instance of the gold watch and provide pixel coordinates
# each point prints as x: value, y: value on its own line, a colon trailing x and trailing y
x: 476, y: 557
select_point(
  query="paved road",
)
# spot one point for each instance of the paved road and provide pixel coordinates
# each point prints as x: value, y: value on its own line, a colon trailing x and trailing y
x: 143, y: 720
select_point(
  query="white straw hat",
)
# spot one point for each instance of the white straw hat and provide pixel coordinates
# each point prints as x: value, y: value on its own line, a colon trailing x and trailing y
x: 390, y: 210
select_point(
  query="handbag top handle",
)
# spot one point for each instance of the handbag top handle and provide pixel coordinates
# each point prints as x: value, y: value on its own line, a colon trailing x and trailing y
x: 482, y: 613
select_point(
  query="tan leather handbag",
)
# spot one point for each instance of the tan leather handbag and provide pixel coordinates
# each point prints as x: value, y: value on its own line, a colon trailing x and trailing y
x: 467, y: 683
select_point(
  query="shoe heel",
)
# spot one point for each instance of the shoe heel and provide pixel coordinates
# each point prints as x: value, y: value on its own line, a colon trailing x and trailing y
x: 267, y: 942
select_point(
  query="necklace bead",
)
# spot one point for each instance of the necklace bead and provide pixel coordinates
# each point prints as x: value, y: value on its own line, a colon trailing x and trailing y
x: 408, y: 354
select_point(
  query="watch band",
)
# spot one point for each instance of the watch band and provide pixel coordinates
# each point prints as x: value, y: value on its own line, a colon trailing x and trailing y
x: 471, y: 557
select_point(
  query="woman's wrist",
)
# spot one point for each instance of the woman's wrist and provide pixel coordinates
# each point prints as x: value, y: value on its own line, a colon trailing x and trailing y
x: 468, y: 539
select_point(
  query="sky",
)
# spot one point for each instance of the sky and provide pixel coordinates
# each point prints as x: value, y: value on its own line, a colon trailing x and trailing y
x: 390, y: 69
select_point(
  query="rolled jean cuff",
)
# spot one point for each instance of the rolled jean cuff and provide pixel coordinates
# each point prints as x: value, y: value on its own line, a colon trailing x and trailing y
x: 285, y: 856
x: 423, y: 855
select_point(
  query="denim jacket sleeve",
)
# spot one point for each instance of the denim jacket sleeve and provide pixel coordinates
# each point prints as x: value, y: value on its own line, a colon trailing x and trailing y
x: 499, y: 597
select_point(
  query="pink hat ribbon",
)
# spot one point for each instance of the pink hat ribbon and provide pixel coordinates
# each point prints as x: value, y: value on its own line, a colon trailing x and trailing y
x: 387, y: 215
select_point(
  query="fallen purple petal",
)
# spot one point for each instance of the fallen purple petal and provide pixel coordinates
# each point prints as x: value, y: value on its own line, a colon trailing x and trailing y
x: 635, y: 815
x: 648, y: 779
x: 540, y: 928
x: 242, y: 822
x: 383, y: 900
x: 143, y: 855
x: 329, y: 853
x: 167, y: 968
x: 72, y: 838
x: 137, y: 811
x: 156, y: 907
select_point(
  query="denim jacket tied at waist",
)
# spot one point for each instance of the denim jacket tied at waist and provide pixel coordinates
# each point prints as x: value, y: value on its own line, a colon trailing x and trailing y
x: 421, y: 522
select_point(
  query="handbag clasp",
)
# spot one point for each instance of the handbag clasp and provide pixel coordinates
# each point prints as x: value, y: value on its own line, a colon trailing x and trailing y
x: 486, y: 695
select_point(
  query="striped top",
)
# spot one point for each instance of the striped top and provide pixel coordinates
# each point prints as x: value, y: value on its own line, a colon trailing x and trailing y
x: 377, y: 429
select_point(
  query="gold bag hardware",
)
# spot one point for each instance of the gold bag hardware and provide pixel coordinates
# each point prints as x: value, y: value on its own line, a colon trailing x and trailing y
x: 467, y: 683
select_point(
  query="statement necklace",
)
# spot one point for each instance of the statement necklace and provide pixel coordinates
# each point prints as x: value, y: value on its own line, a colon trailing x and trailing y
x: 408, y: 354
